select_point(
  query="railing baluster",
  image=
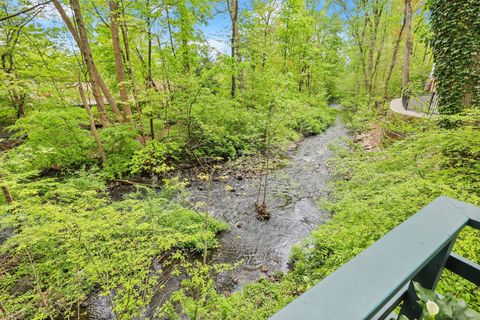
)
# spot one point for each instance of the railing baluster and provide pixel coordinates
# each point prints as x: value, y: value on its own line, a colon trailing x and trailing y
x: 428, y: 277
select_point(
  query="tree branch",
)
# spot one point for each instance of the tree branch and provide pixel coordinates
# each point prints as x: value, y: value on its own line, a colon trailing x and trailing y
x: 24, y: 11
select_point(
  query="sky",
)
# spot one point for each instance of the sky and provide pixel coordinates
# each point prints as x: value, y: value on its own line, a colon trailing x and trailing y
x: 216, y: 31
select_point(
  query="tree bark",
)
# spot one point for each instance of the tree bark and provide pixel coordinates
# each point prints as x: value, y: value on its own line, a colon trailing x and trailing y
x: 394, y: 60
x: 170, y: 34
x: 138, y: 107
x: 6, y: 192
x: 233, y: 6
x: 88, y: 58
x: 377, y: 16
x: 149, y: 78
x: 117, y: 52
x: 101, y: 151
x: 93, y: 72
x: 408, y: 43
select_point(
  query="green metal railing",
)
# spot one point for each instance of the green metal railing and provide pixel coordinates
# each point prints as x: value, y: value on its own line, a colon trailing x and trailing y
x: 375, y: 282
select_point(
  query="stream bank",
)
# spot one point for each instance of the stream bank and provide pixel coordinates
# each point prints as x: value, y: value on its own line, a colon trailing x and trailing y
x: 262, y: 246
x: 292, y: 194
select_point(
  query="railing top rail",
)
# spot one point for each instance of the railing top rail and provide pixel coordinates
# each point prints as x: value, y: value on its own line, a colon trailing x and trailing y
x: 361, y: 287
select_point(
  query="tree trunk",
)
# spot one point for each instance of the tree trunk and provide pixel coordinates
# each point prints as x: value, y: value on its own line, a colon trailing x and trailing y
x: 377, y: 16
x: 170, y: 34
x: 101, y: 151
x: 408, y: 43
x: 137, y: 105
x: 93, y: 72
x: 17, y: 98
x: 265, y: 36
x: 6, y: 192
x: 88, y: 58
x: 185, y: 33
x: 233, y: 5
x: 394, y: 60
x: 117, y: 52
x: 152, y: 130
x: 149, y: 78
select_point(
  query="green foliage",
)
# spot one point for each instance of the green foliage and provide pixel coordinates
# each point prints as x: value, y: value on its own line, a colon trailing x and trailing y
x: 456, y: 48
x: 443, y: 307
x: 223, y: 129
x: 155, y: 157
x: 7, y: 115
x: 375, y: 54
x: 120, y: 143
x: 70, y: 239
x: 219, y: 128
x: 54, y: 138
x: 375, y: 192
x: 310, y: 118
x: 198, y: 293
x: 255, y: 301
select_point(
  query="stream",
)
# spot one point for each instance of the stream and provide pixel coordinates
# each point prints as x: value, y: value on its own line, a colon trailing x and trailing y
x: 263, y: 246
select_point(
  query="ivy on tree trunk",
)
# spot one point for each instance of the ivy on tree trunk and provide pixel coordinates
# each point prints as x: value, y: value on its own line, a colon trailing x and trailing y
x: 456, y: 50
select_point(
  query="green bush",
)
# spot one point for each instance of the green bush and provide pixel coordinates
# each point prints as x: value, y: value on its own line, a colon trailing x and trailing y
x: 310, y: 118
x: 374, y: 193
x: 229, y: 132
x: 156, y: 157
x: 223, y: 129
x: 55, y: 138
x: 71, y: 240
x: 120, y: 144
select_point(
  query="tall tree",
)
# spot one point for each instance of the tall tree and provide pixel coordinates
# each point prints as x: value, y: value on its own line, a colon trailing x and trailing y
x: 13, y: 28
x: 91, y: 120
x: 79, y: 34
x: 117, y: 52
x: 408, y: 43
x: 233, y: 12
x: 88, y: 58
x: 393, y: 59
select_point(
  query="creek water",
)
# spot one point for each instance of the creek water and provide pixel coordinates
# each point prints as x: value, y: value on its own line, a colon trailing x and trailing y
x: 262, y: 246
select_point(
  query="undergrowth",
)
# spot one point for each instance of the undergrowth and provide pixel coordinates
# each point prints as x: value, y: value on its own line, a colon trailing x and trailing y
x: 70, y: 240
x: 374, y: 192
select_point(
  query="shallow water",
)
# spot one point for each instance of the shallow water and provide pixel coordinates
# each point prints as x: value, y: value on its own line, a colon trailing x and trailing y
x: 263, y: 246
x: 292, y: 193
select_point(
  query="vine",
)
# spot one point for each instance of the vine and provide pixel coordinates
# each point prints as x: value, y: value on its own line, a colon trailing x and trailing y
x: 456, y: 49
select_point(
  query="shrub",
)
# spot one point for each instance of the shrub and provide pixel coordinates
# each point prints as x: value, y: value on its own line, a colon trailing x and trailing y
x: 71, y: 240
x: 374, y: 193
x: 53, y: 138
x: 120, y: 144
x: 156, y: 157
